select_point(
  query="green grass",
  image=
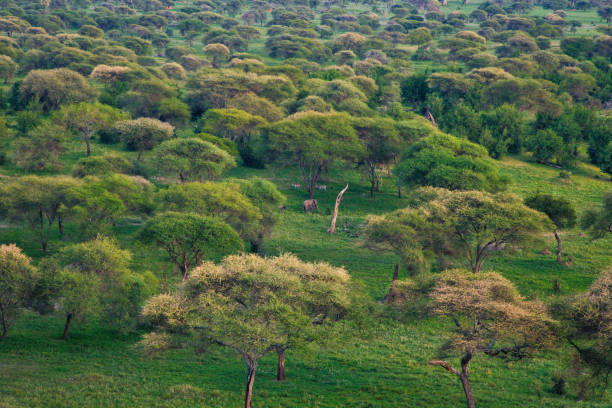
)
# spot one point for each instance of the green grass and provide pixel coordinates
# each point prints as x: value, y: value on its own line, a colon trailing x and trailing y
x: 103, y: 368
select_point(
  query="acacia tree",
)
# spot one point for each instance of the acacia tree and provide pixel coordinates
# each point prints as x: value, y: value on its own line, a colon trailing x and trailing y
x: 382, y: 144
x: 219, y: 53
x: 143, y: 133
x: 598, y: 222
x: 457, y: 225
x: 232, y: 123
x: 41, y: 149
x: 37, y: 200
x: 313, y: 140
x: 587, y: 318
x: 85, y: 119
x: 192, y: 159
x: 8, y: 67
x: 190, y: 238
x: 93, y: 279
x: 491, y: 318
x: 442, y: 160
x: 560, y: 211
x: 251, y: 304
x: 18, y: 278
x: 221, y: 200
x: 93, y: 206
x: 266, y: 197
x: 55, y: 87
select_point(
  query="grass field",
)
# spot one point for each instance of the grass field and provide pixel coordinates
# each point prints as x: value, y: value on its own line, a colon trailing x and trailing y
x: 99, y: 367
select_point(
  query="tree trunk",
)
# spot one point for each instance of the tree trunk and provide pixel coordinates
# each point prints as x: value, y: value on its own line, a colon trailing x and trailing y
x: 184, y: 270
x: 399, y: 191
x: 396, y: 272
x: 465, y: 381
x: 43, y: 241
x: 255, y: 246
x: 463, y: 376
x: 332, y: 228
x: 373, y: 179
x: 67, y: 326
x: 88, y: 146
x: 4, y: 327
x: 280, y: 371
x: 559, y: 247
x: 60, y: 225
x: 248, y: 394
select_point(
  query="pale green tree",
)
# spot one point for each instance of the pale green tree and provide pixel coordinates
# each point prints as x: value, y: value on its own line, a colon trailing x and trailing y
x: 252, y: 305
x: 192, y: 159
x: 18, y: 278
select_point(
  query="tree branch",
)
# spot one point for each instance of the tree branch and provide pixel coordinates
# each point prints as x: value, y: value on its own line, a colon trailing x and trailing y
x: 445, y: 365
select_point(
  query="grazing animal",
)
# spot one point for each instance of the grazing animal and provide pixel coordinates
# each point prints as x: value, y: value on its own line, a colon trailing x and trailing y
x: 310, y: 205
x: 296, y: 186
x: 321, y: 187
x: 282, y: 208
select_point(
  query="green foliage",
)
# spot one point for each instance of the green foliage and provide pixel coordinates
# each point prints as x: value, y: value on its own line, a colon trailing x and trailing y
x: 18, y: 278
x: 100, y: 165
x: 441, y: 160
x: 189, y: 239
x: 40, y: 150
x: 38, y: 201
x: 587, y: 328
x: 220, y: 200
x: 507, y: 128
x: 192, y: 159
x: 93, y: 207
x: 129, y: 58
x: 143, y: 133
x: 560, y: 210
x: 221, y: 142
x: 598, y: 222
x: 382, y: 145
x: 464, y: 226
x: 94, y: 280
x: 234, y: 124
x: 55, y: 87
x: 311, y: 140
x: 546, y: 145
x: 85, y: 119
x: 254, y: 305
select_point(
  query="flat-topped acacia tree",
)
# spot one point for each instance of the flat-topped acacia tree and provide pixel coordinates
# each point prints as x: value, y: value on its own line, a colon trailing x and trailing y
x: 312, y: 140
x: 252, y: 305
x: 490, y: 318
x: 36, y: 200
x: 85, y: 119
x: 192, y: 159
x: 464, y: 226
x: 189, y: 239
x: 143, y: 133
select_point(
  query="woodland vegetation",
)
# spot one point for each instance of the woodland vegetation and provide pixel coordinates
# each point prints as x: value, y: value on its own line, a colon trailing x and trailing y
x: 305, y: 203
